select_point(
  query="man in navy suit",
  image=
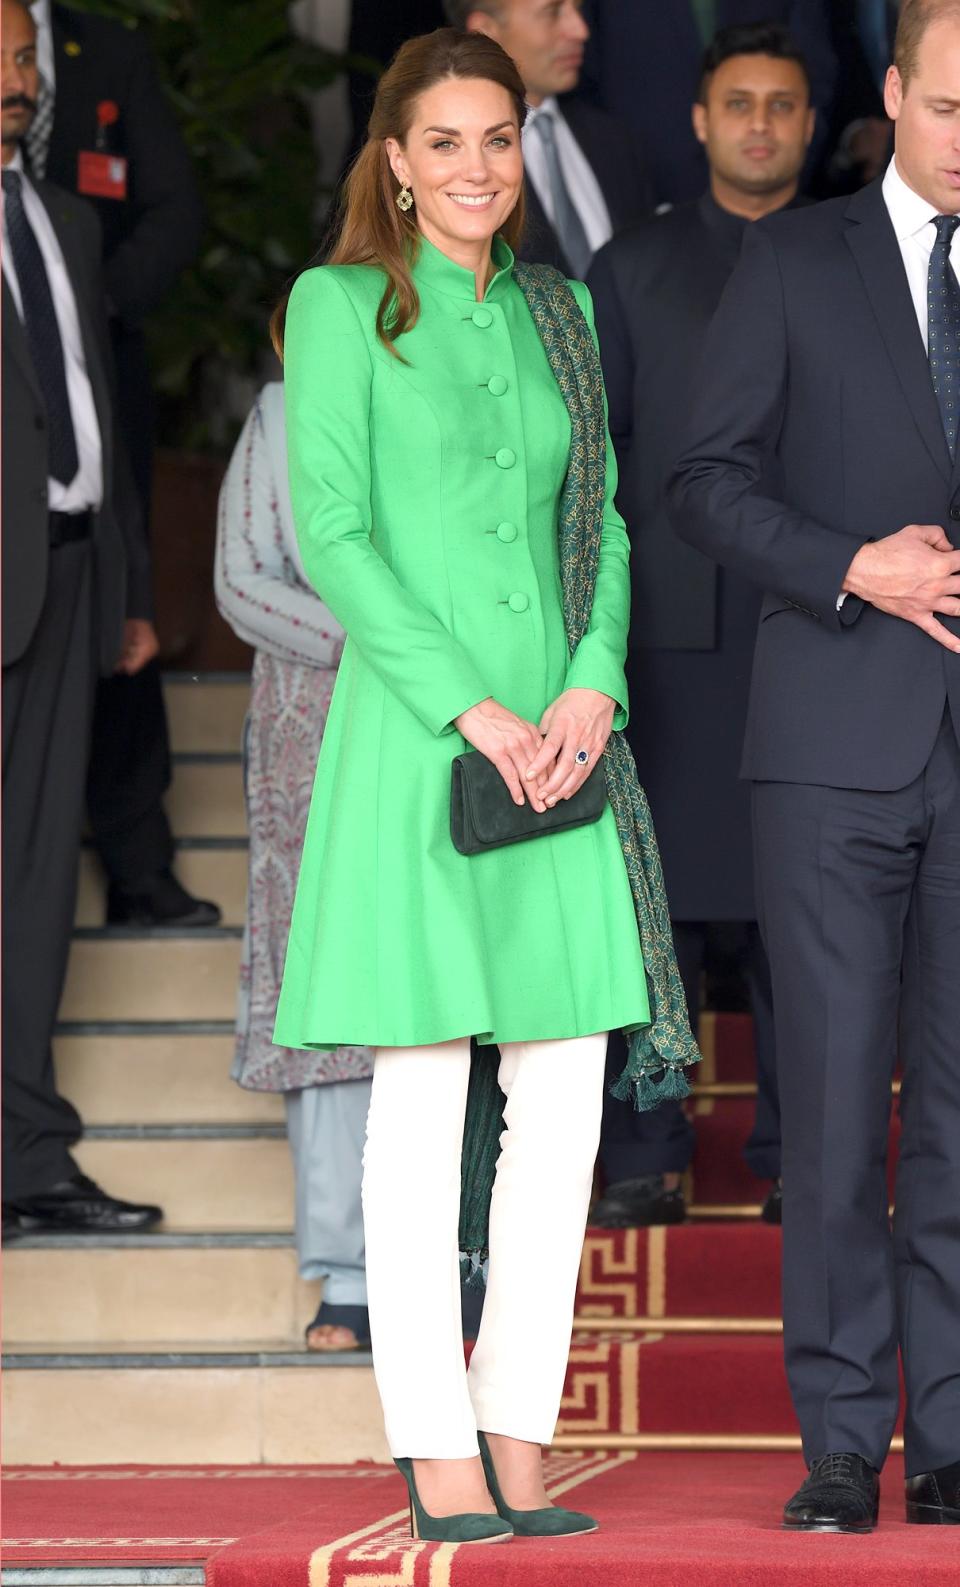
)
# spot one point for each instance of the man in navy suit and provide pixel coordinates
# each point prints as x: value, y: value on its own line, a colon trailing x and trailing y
x: 585, y: 175
x: 822, y: 462
x: 643, y: 63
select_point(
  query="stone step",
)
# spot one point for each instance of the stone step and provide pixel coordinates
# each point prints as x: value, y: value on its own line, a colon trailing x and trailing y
x: 206, y: 798
x: 218, y: 872
x: 233, y: 1408
x: 241, y: 1405
x: 157, y: 1074
x: 206, y: 713
x: 154, y: 1291
x: 225, y: 1178
x: 152, y: 976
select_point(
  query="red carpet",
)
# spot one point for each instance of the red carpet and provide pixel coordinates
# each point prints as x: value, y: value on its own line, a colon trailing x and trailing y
x: 667, y: 1520
x: 694, y: 1270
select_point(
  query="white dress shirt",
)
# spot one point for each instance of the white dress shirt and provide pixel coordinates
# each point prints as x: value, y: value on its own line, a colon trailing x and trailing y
x: 911, y: 216
x: 85, y: 490
x: 584, y: 189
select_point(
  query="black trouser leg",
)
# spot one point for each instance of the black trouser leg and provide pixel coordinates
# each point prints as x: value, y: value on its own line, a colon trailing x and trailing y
x: 836, y: 870
x: 47, y: 699
x: 762, y: 1151
x: 130, y: 753
x: 927, y: 1220
x: 129, y: 774
x: 634, y: 1144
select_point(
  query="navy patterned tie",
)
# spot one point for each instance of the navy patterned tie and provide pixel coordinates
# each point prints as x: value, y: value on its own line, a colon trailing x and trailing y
x: 943, y: 327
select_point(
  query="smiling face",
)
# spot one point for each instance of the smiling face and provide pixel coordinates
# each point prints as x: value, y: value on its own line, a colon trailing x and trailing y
x: 927, y: 117
x: 461, y: 159
x: 756, y: 123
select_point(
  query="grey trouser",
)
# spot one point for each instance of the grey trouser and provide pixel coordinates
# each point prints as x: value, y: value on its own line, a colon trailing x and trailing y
x: 326, y: 1126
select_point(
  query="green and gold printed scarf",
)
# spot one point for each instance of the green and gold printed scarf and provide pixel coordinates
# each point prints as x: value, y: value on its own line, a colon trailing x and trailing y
x: 658, y: 1053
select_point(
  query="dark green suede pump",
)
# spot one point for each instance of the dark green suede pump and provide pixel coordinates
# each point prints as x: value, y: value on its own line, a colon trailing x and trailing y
x: 551, y: 1522
x: 476, y: 1528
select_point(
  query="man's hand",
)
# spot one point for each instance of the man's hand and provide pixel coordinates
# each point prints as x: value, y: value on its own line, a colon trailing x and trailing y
x: 140, y: 645
x: 579, y: 719
x: 509, y: 742
x: 912, y: 575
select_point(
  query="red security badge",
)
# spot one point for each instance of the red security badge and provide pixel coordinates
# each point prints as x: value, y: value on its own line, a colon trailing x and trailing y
x: 101, y: 175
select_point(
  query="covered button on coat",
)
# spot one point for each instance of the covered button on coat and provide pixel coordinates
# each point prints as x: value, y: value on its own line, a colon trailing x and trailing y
x: 425, y: 497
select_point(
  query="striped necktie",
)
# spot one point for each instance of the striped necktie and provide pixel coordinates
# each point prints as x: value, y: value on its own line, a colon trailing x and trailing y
x: 567, y: 223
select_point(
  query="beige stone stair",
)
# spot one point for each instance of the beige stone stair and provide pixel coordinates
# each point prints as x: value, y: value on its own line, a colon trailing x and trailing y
x: 155, y: 1292
x: 218, y: 872
x: 157, y: 1074
x: 152, y: 976
x: 217, y: 1181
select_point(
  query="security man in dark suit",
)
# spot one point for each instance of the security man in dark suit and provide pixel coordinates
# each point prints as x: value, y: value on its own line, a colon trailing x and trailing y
x: 643, y: 64
x: 105, y: 130
x: 67, y: 585
x: 585, y: 176
x: 822, y: 462
x: 693, y: 627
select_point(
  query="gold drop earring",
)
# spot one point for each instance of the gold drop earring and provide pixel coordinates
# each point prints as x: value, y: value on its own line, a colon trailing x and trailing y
x: 404, y: 198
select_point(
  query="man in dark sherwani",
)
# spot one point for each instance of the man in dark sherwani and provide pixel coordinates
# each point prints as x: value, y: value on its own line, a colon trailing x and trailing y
x: 693, y: 627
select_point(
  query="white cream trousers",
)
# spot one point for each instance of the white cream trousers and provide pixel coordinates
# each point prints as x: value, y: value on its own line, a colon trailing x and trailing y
x: 411, y: 1197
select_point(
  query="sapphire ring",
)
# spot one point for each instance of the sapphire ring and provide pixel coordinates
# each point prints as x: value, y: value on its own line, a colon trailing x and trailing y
x: 581, y: 757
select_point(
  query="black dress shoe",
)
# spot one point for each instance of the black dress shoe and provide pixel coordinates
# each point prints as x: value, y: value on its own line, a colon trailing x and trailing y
x: 841, y: 1494
x: 638, y: 1203
x: 933, y: 1499
x: 77, y: 1206
x: 159, y: 901
x: 772, y: 1209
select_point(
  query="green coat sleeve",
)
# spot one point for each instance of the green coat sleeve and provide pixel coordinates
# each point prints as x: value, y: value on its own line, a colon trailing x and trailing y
x: 328, y: 374
x: 599, y: 660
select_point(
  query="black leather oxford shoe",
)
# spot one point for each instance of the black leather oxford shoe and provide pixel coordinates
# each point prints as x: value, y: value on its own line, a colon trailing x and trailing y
x: 638, y: 1203
x: 933, y: 1499
x: 160, y: 901
x: 76, y: 1206
x: 841, y: 1494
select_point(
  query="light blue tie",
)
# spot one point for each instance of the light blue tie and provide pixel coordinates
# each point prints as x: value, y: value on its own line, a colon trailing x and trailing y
x: 567, y: 223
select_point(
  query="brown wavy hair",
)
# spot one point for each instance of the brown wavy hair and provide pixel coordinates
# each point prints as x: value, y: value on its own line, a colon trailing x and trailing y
x: 370, y: 229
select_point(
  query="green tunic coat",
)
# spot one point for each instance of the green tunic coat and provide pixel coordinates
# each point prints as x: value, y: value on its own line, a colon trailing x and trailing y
x: 425, y: 497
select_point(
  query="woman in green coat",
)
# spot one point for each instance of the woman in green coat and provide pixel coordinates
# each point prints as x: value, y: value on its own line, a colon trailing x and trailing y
x: 429, y: 445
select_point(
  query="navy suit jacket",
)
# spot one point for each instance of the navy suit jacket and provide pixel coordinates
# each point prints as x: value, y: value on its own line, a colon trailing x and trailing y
x: 815, y: 428
x: 643, y: 63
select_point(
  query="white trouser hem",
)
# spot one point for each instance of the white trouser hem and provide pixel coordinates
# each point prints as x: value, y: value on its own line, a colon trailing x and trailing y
x: 411, y: 1192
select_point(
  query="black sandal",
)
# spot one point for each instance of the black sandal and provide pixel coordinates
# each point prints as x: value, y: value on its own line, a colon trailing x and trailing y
x: 356, y: 1318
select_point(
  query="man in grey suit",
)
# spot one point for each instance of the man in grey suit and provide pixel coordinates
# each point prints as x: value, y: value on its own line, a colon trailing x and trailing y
x: 822, y: 461
x: 67, y: 585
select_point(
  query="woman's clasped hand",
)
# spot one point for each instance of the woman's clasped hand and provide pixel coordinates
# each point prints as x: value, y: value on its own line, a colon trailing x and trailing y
x: 540, y: 763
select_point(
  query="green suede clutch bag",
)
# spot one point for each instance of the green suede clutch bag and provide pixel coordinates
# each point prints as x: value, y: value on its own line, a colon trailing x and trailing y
x: 484, y: 816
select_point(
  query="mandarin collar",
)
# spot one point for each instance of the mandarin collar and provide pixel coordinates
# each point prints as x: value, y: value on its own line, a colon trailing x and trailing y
x: 435, y: 269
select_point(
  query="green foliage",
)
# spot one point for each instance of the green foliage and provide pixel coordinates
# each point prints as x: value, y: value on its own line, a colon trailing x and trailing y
x: 239, y: 81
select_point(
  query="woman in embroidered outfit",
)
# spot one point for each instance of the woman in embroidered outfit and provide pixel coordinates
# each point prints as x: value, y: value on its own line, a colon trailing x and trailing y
x: 452, y: 487
x: 263, y: 593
